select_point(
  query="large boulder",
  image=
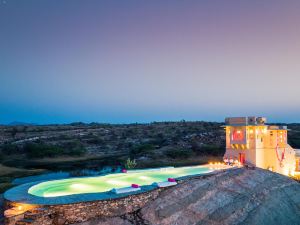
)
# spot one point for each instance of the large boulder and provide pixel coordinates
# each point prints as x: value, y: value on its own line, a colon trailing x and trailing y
x: 238, y: 196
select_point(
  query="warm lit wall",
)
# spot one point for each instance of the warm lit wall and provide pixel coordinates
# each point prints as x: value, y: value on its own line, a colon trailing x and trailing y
x: 261, y: 145
x: 245, y: 145
x: 249, y: 154
x: 288, y: 163
x: 297, y: 164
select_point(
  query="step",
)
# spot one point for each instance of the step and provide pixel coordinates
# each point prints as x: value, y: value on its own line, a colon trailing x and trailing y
x: 38, y: 210
x: 25, y: 222
x: 30, y: 215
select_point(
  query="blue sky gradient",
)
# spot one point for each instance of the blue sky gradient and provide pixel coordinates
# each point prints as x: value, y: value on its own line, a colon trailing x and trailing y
x: 141, y: 61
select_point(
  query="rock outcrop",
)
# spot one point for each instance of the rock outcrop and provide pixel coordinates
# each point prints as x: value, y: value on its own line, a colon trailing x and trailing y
x: 1, y: 209
x: 239, y: 196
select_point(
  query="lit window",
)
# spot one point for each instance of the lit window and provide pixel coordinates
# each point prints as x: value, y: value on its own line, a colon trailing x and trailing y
x: 238, y: 135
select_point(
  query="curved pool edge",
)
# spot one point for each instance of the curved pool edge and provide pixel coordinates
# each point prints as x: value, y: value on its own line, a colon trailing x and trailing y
x: 19, y: 194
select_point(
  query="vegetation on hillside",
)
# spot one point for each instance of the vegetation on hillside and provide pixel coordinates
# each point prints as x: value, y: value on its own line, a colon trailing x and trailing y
x: 79, y: 145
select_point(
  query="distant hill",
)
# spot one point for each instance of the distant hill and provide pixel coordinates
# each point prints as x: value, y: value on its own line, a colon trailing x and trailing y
x: 18, y: 123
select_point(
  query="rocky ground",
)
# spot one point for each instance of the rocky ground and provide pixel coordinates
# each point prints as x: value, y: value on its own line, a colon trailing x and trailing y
x: 242, y: 196
x: 1, y: 209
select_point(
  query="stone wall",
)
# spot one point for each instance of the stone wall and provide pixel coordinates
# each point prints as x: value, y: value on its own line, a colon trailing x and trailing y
x: 83, y: 211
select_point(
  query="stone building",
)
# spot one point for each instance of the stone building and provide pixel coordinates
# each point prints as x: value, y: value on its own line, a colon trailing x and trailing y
x: 250, y: 141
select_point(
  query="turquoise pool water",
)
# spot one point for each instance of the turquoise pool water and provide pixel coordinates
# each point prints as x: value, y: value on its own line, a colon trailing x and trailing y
x: 106, y: 183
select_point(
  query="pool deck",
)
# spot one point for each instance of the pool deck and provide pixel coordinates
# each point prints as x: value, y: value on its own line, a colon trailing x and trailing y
x: 20, y: 193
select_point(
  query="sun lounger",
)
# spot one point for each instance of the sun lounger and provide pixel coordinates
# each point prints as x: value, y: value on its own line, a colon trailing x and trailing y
x: 125, y: 190
x: 164, y: 184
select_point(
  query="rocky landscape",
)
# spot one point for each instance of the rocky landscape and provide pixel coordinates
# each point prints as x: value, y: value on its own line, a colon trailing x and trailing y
x: 101, y: 139
x: 31, y: 149
x: 241, y: 196
x: 27, y: 149
x: 32, y: 146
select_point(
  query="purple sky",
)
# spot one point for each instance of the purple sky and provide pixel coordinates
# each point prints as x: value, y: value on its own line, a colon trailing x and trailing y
x: 141, y: 61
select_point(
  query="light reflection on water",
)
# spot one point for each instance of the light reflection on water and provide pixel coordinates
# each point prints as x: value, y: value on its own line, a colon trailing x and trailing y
x: 67, y: 174
x: 107, y: 182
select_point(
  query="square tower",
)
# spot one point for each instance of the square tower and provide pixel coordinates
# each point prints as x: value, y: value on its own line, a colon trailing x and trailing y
x: 250, y: 141
x: 243, y: 136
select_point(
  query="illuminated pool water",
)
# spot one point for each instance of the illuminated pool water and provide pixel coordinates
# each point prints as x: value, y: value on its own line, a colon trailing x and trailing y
x: 108, y: 182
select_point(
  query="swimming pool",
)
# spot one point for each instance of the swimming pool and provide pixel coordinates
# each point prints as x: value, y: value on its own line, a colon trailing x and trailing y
x: 85, y: 185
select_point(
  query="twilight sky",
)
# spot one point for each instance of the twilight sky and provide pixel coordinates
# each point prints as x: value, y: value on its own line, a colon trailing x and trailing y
x: 140, y: 61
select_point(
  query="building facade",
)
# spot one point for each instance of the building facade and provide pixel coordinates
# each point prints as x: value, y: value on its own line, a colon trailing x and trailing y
x: 250, y: 141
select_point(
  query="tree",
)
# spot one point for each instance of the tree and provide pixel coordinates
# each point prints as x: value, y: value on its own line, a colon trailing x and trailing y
x: 130, y: 164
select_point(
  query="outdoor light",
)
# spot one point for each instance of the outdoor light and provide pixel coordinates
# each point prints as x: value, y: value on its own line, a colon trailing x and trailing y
x: 265, y: 130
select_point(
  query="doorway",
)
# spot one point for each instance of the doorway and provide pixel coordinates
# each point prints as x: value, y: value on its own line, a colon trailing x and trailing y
x: 242, y: 158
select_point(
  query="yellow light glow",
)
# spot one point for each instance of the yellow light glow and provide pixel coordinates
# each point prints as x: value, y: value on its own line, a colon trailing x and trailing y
x: 79, y: 186
x: 144, y: 177
x: 55, y: 194
x: 264, y: 130
x: 292, y: 173
x: 117, y: 182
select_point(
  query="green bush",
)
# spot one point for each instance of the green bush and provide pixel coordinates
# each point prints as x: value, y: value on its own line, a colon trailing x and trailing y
x: 14, y: 131
x: 95, y: 140
x: 159, y: 139
x: 213, y: 150
x: 175, y: 153
x: 130, y: 164
x: 77, y: 150
x: 74, y: 148
x: 64, y: 137
x: 41, y: 150
x: 143, y: 148
x: 294, y: 140
x: 9, y: 149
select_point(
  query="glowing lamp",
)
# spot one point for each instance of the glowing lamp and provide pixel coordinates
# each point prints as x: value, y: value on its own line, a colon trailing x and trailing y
x: 264, y: 130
